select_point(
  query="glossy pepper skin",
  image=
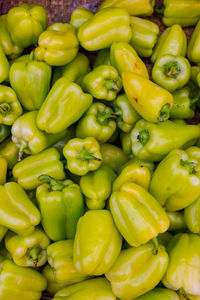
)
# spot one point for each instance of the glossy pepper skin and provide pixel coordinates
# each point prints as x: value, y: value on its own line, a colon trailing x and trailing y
x: 10, y: 151
x: 159, y: 294
x: 60, y: 271
x: 133, y: 7
x: 79, y: 16
x: 150, y: 100
x: 125, y: 139
x: 98, y: 122
x: 97, y: 288
x: 137, y: 214
x: 20, y: 283
x: 73, y: 71
x: 25, y: 23
x: 10, y: 107
x: 66, y: 199
x: 83, y: 155
x: 182, y: 108
x: 30, y: 139
x: 29, y: 250
x: 4, y: 132
x: 172, y: 41
x: 171, y: 72
x: 154, y: 141
x: 144, y: 36
x: 4, y: 66
x: 18, y: 213
x: 125, y: 59
x: 3, y: 169
x: 102, y: 83
x: 104, y: 28
x: 142, y: 163
x: 177, y: 222
x: 193, y: 46
x: 31, y: 82
x: 64, y: 105
x: 28, y: 170
x: 58, y: 45
x: 191, y: 216
x: 181, y: 168
x: 184, y: 255
x: 97, y: 186
x: 195, y: 75
x: 102, y: 58
x: 146, y: 267
x: 184, y: 12
x: 92, y: 255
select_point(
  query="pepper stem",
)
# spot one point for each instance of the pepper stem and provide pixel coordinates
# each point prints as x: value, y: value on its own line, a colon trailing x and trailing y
x: 171, y: 69
x: 4, y: 108
x: 23, y: 146
x: 143, y: 137
x: 34, y: 253
x: 86, y: 155
x: 164, y: 113
x: 54, y: 184
x: 111, y: 85
x: 155, y: 245
x: 189, y: 165
x: 103, y: 117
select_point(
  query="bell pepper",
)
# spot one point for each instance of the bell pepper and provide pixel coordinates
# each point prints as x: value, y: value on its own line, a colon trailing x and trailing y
x: 74, y: 71
x: 29, y: 138
x: 113, y: 156
x: 64, y: 198
x: 25, y: 23
x: 58, y: 45
x: 97, y: 122
x: 83, y: 155
x: 70, y: 134
x: 137, y: 214
x: 79, y: 16
x: 183, y: 101
x: 60, y: 271
x: 177, y: 222
x: 182, y: 187
x: 172, y: 41
x: 97, y: 288
x: 133, y: 7
x: 184, y: 264
x: 171, y: 72
x: 125, y: 139
x: 9, y: 47
x: 97, y: 243
x: 164, y: 238
x: 133, y: 172
x: 184, y: 12
x: 10, y: 151
x: 102, y: 83
x: 4, y: 66
x: 3, y: 169
x: 194, y: 42
x: 31, y: 82
x: 125, y: 59
x: 154, y: 141
x: 23, y: 58
x: 97, y: 186
x: 4, y: 132
x: 27, y: 171
x: 20, y: 283
x: 17, y: 212
x: 137, y: 270
x: 143, y: 163
x: 144, y: 36
x: 10, y: 107
x: 195, y: 75
x: 102, y: 58
x: 158, y: 294
x: 29, y: 250
x: 104, y: 28
x: 150, y: 100
x: 191, y: 216
x: 127, y: 116
x: 64, y: 105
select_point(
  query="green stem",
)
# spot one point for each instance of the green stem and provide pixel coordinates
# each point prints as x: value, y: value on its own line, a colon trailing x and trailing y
x: 34, y: 253
x: 23, y: 146
x: 54, y: 184
x: 4, y: 108
x: 155, y: 246
x: 143, y: 137
x: 86, y: 155
x: 189, y: 165
x: 111, y: 85
x: 164, y: 113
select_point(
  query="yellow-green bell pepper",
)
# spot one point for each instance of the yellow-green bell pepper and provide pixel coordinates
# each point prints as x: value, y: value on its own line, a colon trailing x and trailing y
x: 126, y: 144
x: 194, y: 44
x: 3, y: 169
x: 191, y: 216
x: 4, y: 66
x: 102, y: 58
x: 79, y: 16
x: 177, y: 222
x: 10, y: 151
x: 159, y: 294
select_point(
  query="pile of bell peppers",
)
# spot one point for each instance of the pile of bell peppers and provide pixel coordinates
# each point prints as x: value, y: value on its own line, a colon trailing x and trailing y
x: 100, y: 158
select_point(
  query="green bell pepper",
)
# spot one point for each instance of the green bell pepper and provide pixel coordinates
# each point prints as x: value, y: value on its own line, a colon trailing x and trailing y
x: 177, y: 222
x: 154, y: 141
x: 3, y: 231
x: 144, y: 36
x: 182, y: 187
x: 64, y: 198
x: 83, y: 155
x: 195, y: 75
x: 98, y: 122
x: 4, y: 132
x: 102, y: 58
x: 3, y: 169
x: 79, y: 16
x: 159, y: 294
x: 138, y: 270
x: 104, y: 28
x: 28, y: 170
x: 4, y: 66
x: 29, y: 250
x: 97, y: 186
x: 18, y: 282
x: 10, y: 151
x: 171, y: 72
x: 164, y: 238
x: 70, y: 134
x: 193, y: 46
x: 172, y: 41
x: 18, y: 213
x: 125, y: 139
x: 97, y: 243
x: 143, y: 163
x: 58, y: 45
x: 191, y: 216
x: 102, y: 83
x: 64, y: 105
x: 25, y: 23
